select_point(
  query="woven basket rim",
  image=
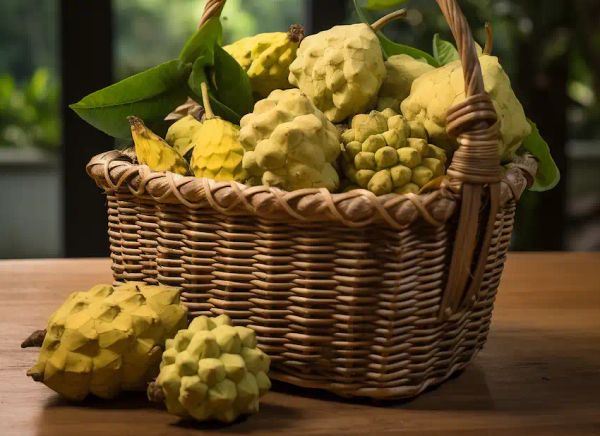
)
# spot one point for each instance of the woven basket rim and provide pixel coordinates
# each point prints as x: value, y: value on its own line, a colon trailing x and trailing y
x: 114, y: 170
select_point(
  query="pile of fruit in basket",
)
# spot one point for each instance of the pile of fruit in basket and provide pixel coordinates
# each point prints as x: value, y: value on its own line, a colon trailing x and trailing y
x: 342, y: 109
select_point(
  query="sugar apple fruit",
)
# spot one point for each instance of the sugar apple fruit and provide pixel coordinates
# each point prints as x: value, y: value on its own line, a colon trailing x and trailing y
x: 340, y: 69
x: 401, y: 72
x: 384, y: 153
x: 435, y: 92
x: 181, y: 133
x: 217, y: 152
x: 290, y: 143
x: 267, y: 57
x: 212, y: 371
x: 108, y: 339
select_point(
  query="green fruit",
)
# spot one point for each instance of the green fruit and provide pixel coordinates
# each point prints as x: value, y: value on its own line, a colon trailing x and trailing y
x: 382, y: 158
x: 289, y: 143
x: 266, y: 58
x: 402, y: 70
x: 340, y: 69
x: 435, y: 92
x: 108, y: 339
x: 221, y: 387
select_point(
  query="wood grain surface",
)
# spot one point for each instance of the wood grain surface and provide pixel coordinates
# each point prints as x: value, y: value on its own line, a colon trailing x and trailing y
x: 539, y: 373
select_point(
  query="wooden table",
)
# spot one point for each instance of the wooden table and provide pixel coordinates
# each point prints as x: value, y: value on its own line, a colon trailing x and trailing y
x: 538, y: 375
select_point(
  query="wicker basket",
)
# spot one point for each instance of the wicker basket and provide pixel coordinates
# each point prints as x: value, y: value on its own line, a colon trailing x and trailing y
x: 360, y: 295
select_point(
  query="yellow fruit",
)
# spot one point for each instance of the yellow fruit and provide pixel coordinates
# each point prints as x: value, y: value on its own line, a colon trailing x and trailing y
x: 221, y: 387
x: 340, y: 69
x: 402, y: 70
x: 267, y: 57
x: 180, y: 134
x: 433, y: 93
x: 108, y: 339
x: 152, y: 150
x: 289, y: 143
x: 217, y: 151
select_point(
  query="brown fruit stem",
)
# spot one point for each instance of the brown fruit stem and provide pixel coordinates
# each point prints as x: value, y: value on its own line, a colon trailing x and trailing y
x: 385, y: 20
x: 296, y: 33
x: 489, y: 41
x: 206, y: 102
x: 155, y: 393
x: 35, y: 375
x: 36, y: 339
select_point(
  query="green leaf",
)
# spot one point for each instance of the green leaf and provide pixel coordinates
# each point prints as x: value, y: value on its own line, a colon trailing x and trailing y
x: 197, y: 77
x: 231, y: 83
x: 206, y: 37
x: 391, y: 48
x: 376, y: 5
x: 444, y: 52
x: 149, y: 95
x: 548, y: 175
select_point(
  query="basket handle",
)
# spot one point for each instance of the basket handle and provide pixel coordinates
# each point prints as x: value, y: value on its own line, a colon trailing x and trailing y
x: 475, y: 166
x: 475, y: 169
x: 212, y: 9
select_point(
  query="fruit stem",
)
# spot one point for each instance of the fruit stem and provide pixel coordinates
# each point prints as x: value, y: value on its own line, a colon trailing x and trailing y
x: 206, y: 101
x: 296, y: 33
x: 155, y: 393
x: 489, y: 41
x: 36, y: 339
x: 384, y: 21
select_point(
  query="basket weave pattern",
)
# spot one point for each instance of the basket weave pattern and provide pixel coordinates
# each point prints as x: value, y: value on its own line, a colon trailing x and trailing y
x: 368, y: 296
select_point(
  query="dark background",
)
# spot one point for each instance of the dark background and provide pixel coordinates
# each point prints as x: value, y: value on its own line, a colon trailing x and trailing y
x: 550, y: 49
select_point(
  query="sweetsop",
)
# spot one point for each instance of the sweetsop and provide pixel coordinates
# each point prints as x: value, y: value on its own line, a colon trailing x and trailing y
x: 289, y: 143
x: 267, y: 57
x: 401, y: 72
x: 181, y: 133
x: 217, y: 151
x: 384, y: 153
x: 433, y: 93
x: 212, y: 371
x: 108, y: 339
x: 340, y: 69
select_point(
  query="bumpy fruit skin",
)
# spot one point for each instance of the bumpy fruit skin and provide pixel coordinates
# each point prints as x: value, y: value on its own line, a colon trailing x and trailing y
x: 217, y: 152
x: 213, y: 371
x: 435, y: 92
x: 180, y: 134
x: 384, y: 153
x: 401, y: 72
x: 340, y: 69
x: 108, y: 339
x: 266, y: 58
x: 289, y: 143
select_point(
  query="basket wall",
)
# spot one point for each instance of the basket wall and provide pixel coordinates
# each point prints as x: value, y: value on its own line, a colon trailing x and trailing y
x: 353, y: 311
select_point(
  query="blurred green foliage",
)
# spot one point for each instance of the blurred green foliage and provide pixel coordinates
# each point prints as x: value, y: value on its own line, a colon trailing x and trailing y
x: 29, y: 111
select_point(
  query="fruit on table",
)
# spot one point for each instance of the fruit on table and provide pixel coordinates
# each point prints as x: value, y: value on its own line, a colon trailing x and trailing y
x: 180, y: 135
x: 154, y: 151
x: 290, y: 143
x: 401, y: 72
x: 340, y: 69
x: 435, y: 92
x: 266, y: 58
x: 108, y: 339
x: 212, y: 371
x: 217, y: 152
x: 384, y: 153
